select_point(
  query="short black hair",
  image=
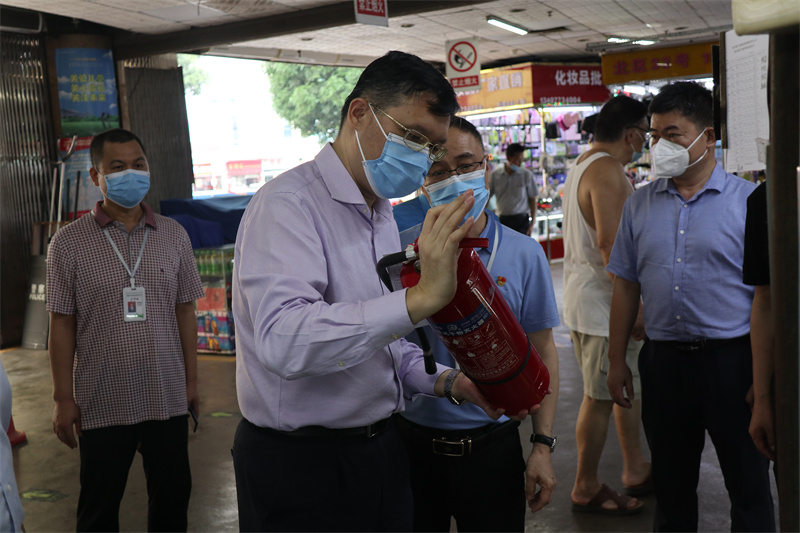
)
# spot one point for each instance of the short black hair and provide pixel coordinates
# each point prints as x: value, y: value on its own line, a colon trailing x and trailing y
x: 467, y: 127
x: 617, y: 115
x: 693, y: 101
x: 117, y: 135
x: 390, y: 79
x: 514, y: 149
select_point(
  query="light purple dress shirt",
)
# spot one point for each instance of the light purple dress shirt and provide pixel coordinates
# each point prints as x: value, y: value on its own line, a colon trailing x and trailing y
x: 319, y: 339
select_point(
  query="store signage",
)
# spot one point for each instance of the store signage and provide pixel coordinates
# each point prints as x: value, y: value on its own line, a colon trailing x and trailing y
x: 246, y: 167
x: 501, y: 89
x: 657, y: 64
x: 373, y: 12
x: 463, y: 65
x: 568, y: 85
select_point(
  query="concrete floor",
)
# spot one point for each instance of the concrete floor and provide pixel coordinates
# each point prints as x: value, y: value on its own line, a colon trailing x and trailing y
x: 47, y: 471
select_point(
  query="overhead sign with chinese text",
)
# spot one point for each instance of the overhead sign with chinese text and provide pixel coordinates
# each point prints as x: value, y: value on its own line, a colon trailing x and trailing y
x: 568, y: 85
x: 373, y: 12
x: 501, y: 89
x: 463, y: 64
x: 659, y: 63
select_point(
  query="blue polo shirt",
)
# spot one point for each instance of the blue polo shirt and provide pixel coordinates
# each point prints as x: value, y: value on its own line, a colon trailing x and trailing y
x: 528, y: 290
x: 687, y: 257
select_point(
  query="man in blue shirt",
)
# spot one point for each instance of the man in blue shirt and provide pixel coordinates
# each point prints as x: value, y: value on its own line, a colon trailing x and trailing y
x: 481, y: 482
x: 680, y: 246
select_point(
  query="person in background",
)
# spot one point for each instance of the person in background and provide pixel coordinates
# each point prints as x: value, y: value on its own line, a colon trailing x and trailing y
x: 11, y: 512
x: 594, y: 193
x: 755, y: 271
x: 321, y: 360
x: 463, y: 463
x: 680, y: 246
x: 134, y: 372
x: 515, y: 191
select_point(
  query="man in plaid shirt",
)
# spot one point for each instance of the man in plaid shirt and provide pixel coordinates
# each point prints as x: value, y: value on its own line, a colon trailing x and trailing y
x: 121, y: 285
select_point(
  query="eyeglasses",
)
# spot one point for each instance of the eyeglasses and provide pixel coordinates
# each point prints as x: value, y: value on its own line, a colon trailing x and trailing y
x: 463, y: 169
x: 417, y: 141
x: 647, y: 134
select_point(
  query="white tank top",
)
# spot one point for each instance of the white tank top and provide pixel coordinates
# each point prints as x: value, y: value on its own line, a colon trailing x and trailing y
x: 587, y: 287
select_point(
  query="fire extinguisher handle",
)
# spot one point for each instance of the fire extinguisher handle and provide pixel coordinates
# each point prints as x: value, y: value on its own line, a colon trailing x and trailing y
x: 430, y: 363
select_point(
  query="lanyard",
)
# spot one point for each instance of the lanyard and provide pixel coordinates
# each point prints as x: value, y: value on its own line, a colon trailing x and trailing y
x: 494, y: 248
x: 132, y: 274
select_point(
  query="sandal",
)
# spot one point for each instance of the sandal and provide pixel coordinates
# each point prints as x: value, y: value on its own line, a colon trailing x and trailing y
x: 605, y: 493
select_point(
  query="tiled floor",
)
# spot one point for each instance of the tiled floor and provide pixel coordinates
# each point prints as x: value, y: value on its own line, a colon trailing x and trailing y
x: 47, y: 471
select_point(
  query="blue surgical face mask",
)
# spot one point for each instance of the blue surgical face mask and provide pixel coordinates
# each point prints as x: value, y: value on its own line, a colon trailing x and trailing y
x: 127, y: 187
x: 448, y: 190
x: 399, y: 170
x: 637, y: 154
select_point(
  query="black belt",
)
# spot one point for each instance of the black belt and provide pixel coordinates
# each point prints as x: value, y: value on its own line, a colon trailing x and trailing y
x: 321, y: 432
x: 457, y: 443
x: 701, y: 345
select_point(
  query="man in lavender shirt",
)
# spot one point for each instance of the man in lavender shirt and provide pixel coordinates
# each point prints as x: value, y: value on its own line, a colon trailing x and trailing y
x: 321, y: 360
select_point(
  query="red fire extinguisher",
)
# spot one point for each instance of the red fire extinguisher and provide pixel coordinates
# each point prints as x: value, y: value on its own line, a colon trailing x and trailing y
x: 483, y: 335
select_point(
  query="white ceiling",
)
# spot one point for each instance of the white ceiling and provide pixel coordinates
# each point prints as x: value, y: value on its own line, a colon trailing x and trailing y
x: 586, y: 21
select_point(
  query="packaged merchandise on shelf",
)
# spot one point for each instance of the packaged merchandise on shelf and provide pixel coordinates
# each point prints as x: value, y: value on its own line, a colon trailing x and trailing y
x: 215, y: 332
x: 214, y: 316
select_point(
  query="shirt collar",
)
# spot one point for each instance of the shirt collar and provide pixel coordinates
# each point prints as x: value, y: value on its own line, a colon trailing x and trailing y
x: 341, y: 184
x: 104, y: 220
x: 489, y: 231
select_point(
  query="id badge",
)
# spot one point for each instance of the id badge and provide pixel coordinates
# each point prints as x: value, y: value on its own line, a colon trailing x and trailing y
x: 133, y: 302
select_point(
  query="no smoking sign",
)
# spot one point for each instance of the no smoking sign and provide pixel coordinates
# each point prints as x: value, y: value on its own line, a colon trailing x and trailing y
x: 463, y: 65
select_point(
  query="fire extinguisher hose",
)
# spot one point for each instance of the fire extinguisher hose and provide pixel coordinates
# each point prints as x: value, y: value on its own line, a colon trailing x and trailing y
x: 383, y: 265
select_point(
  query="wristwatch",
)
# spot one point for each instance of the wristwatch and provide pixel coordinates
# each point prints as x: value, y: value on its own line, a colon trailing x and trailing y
x: 542, y: 439
x: 448, y: 387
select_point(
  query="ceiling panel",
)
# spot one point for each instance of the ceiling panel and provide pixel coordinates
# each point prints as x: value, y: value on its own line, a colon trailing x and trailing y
x: 587, y: 21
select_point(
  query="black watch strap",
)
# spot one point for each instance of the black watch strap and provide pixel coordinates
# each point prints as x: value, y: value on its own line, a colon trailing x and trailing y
x: 543, y: 439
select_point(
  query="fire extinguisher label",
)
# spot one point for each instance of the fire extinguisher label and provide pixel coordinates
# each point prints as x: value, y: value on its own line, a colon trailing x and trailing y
x: 480, y: 348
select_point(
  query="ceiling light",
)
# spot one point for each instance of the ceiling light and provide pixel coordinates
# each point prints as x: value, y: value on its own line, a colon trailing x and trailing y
x: 508, y: 26
x: 618, y: 40
x: 634, y: 89
x: 644, y: 42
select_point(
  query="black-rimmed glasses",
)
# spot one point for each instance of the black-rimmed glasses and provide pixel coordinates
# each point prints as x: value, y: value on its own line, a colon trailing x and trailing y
x: 417, y: 141
x: 463, y: 169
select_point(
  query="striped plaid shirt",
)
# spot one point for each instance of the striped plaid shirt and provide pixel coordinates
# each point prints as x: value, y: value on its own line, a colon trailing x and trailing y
x: 124, y: 372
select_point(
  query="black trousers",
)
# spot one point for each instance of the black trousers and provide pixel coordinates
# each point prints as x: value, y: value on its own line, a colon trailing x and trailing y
x: 106, y: 457
x: 483, y: 490
x: 289, y: 483
x: 518, y: 223
x: 685, y: 394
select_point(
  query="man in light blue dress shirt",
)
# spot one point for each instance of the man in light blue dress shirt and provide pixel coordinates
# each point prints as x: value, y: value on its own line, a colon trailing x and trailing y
x: 680, y: 246
x: 463, y: 463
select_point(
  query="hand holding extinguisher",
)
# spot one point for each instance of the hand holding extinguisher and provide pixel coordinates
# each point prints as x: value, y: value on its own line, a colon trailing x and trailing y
x: 505, y: 357
x: 439, y: 251
x: 466, y: 390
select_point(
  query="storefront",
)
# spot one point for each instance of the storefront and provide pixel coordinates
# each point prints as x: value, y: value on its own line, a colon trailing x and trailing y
x: 542, y: 107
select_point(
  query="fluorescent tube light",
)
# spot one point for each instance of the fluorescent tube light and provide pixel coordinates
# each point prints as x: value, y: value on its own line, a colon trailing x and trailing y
x: 644, y: 42
x: 618, y: 40
x: 508, y: 26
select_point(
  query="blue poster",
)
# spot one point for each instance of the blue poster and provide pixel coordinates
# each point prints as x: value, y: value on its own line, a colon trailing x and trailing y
x: 87, y: 91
